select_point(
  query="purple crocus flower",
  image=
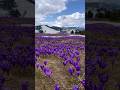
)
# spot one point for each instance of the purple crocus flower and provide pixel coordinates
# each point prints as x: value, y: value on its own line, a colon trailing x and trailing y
x: 42, y: 67
x: 83, y: 82
x: 77, y: 53
x: 71, y: 70
x: 78, y: 73
x: 47, y: 71
x: 37, y: 52
x: 78, y: 59
x: 75, y: 87
x: 75, y: 63
x: 77, y: 68
x: 65, y: 62
x: 72, y: 56
x: 57, y: 87
x: 37, y: 65
x: 45, y: 62
x: 71, y: 61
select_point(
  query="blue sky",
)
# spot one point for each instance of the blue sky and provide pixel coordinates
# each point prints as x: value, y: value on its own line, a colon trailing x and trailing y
x: 60, y: 12
x: 72, y: 6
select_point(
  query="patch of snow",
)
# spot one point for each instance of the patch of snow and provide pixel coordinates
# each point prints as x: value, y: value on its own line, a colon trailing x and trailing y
x: 36, y: 31
x: 63, y: 36
x: 48, y: 30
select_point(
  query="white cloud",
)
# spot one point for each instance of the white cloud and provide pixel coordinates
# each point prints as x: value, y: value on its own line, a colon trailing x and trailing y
x: 43, y: 8
x: 47, y: 7
x: 75, y: 19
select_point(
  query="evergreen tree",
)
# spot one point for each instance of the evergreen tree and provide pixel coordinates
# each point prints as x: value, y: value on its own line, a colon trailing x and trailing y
x: 76, y: 32
x: 40, y: 31
x: 72, y: 32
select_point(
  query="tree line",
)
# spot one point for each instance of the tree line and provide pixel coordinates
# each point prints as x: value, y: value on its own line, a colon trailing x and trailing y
x: 78, y: 32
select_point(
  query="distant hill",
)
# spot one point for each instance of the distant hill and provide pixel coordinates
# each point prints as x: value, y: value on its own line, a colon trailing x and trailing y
x: 73, y: 28
x: 46, y: 29
x: 55, y: 29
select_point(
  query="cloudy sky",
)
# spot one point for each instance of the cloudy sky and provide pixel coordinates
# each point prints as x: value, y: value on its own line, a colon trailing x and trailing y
x: 60, y: 12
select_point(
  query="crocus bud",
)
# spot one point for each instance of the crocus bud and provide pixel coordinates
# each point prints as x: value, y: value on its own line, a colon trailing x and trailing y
x: 75, y: 87
x: 57, y: 87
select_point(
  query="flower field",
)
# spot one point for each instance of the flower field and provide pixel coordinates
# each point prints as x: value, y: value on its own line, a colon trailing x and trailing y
x: 16, y: 59
x: 59, y: 63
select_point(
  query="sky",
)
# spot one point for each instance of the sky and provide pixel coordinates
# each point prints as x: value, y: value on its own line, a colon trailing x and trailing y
x: 62, y: 13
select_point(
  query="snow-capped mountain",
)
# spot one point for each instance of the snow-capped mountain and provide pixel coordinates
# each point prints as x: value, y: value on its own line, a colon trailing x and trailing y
x: 46, y: 29
x: 49, y: 30
x: 56, y: 30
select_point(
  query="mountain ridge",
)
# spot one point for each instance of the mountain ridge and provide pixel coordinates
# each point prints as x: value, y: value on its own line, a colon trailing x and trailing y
x: 56, y: 30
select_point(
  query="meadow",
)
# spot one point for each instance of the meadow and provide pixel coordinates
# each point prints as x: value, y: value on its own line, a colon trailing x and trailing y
x: 59, y: 63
